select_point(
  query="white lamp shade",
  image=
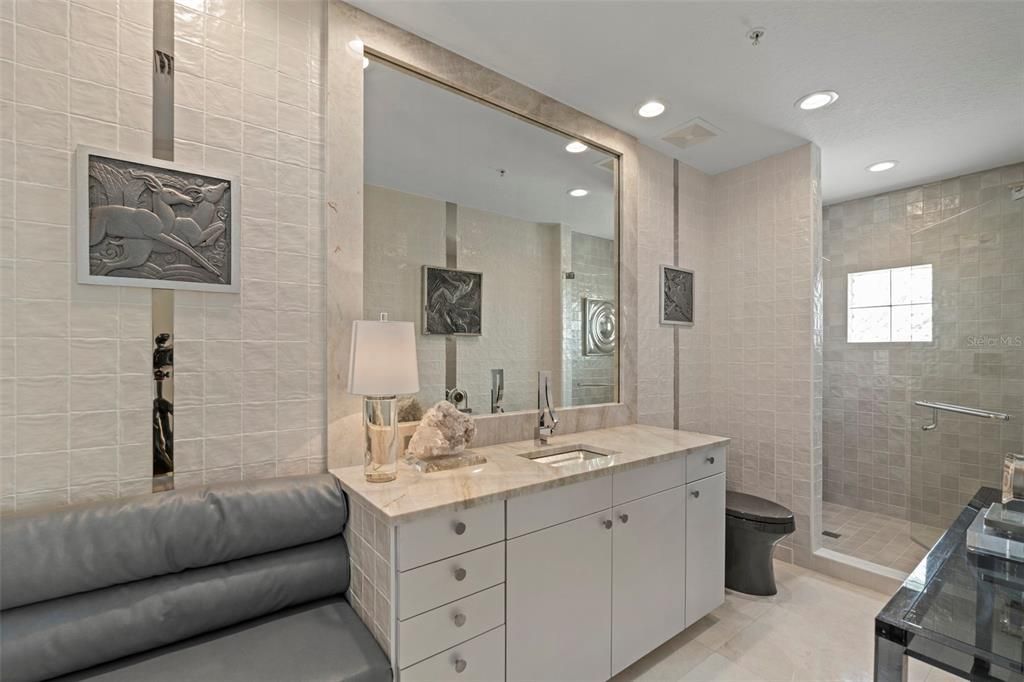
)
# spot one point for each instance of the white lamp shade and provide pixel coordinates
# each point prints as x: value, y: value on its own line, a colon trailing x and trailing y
x: 383, y: 359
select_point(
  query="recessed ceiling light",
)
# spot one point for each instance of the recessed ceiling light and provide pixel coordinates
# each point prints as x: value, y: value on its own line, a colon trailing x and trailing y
x: 651, y: 109
x: 817, y: 100
x: 578, y: 192
x: 576, y: 147
x: 356, y: 46
x: 366, y: 62
x: 882, y: 166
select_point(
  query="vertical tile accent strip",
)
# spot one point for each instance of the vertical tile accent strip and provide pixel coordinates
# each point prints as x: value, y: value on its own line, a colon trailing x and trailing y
x: 675, y: 262
x: 162, y: 308
x: 451, y: 260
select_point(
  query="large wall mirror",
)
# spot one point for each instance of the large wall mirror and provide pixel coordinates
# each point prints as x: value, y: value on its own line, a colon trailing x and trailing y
x: 498, y: 238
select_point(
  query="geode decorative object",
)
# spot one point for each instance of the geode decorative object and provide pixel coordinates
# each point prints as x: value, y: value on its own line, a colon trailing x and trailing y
x: 441, y: 439
x: 149, y: 223
x: 676, y: 296
x: 452, y: 301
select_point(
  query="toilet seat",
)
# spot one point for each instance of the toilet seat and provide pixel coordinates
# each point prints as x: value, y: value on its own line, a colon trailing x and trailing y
x: 757, y: 510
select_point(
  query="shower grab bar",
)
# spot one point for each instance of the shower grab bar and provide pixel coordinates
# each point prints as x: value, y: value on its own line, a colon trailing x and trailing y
x: 958, y: 409
x: 580, y: 384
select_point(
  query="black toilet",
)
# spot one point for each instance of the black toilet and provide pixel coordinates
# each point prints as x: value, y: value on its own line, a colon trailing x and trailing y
x: 753, y: 526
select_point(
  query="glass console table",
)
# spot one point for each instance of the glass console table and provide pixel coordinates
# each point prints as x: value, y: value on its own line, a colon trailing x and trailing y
x: 958, y: 611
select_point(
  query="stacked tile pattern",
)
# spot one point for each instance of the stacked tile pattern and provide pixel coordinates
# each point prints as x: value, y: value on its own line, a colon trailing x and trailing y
x: 592, y: 262
x: 876, y: 455
x: 763, y: 332
x: 250, y: 385
x: 75, y: 368
x: 75, y: 383
x: 369, y: 545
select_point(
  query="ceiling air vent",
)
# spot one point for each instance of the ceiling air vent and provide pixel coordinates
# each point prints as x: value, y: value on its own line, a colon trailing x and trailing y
x: 694, y: 131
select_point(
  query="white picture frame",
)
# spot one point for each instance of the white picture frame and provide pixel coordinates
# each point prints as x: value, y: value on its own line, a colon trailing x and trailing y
x: 156, y: 246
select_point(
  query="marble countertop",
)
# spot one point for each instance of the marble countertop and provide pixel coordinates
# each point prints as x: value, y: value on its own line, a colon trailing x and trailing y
x: 414, y: 494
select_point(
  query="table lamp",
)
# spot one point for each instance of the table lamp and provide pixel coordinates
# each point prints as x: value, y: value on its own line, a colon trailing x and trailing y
x: 382, y: 366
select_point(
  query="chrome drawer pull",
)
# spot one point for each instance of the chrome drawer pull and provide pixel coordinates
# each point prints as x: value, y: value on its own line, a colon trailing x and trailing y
x: 460, y: 665
x: 460, y: 574
x: 460, y: 619
x: 711, y: 459
x: 460, y: 528
x: 696, y: 493
x: 624, y: 518
x: 607, y: 523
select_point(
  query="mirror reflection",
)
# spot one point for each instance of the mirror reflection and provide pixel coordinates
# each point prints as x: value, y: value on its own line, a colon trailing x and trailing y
x: 497, y: 237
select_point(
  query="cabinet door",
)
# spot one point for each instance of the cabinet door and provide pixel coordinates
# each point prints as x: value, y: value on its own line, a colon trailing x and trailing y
x: 705, y: 547
x: 558, y: 614
x: 648, y: 565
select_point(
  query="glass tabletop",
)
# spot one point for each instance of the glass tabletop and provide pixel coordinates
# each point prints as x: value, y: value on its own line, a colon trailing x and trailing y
x: 971, y: 602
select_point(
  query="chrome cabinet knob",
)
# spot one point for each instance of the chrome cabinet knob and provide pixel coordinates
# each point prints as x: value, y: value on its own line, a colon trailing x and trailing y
x: 624, y: 518
x: 460, y: 574
x: 711, y: 459
x: 459, y: 619
x: 460, y: 665
x: 607, y: 523
x: 460, y: 528
x: 696, y: 493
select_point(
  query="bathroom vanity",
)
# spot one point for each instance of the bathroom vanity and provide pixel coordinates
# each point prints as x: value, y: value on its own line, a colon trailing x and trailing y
x: 569, y: 560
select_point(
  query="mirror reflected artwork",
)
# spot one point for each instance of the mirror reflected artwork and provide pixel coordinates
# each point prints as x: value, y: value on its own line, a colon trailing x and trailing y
x: 459, y: 193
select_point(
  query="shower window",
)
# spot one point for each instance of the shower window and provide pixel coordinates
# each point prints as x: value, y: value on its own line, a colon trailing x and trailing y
x: 889, y: 306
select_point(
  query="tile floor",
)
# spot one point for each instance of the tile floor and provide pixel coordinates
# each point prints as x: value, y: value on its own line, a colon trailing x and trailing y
x: 816, y: 629
x: 875, y: 537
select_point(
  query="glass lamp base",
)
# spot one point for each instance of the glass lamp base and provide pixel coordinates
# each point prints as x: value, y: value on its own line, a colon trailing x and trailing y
x: 380, y: 425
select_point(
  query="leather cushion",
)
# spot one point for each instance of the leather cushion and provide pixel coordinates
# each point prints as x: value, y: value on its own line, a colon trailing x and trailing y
x: 76, y: 549
x: 323, y: 641
x: 79, y: 631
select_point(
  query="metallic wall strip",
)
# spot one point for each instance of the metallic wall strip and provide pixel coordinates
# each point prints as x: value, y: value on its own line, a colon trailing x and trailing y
x: 675, y: 262
x: 451, y: 260
x: 163, y: 299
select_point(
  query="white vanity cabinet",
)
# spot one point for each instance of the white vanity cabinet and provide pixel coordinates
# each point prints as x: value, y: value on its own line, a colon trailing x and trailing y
x: 648, y: 566
x: 575, y: 582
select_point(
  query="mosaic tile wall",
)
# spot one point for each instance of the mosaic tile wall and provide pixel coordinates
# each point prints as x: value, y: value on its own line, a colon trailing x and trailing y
x: 369, y: 545
x: 876, y: 455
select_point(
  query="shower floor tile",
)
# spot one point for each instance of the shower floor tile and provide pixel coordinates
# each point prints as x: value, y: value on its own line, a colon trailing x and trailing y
x: 875, y: 537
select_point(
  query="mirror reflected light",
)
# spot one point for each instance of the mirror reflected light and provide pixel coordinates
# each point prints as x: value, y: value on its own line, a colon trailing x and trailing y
x: 576, y: 147
x: 882, y: 166
x: 578, y: 192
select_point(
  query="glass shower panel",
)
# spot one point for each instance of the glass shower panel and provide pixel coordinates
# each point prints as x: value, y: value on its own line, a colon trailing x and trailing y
x: 971, y: 231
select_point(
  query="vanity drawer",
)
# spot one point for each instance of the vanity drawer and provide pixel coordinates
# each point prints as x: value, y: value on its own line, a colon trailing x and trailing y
x: 481, y: 659
x: 647, y: 480
x: 428, y: 633
x: 427, y: 587
x: 448, y: 533
x: 705, y: 463
x: 557, y: 505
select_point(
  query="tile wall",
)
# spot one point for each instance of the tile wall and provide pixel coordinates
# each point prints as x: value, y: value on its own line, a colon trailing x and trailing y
x: 75, y: 366
x: 75, y: 362
x: 876, y: 455
x: 592, y: 262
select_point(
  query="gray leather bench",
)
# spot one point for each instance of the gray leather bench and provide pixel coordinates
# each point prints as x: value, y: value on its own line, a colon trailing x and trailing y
x: 232, y: 582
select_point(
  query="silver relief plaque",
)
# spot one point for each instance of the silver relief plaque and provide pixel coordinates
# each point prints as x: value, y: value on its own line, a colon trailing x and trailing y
x: 676, y: 296
x: 598, y: 327
x: 149, y: 223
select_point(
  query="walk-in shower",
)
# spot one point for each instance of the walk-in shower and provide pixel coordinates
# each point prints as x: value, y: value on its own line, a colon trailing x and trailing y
x: 923, y: 359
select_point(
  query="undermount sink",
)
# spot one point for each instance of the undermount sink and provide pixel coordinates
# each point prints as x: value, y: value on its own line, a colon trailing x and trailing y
x: 567, y: 454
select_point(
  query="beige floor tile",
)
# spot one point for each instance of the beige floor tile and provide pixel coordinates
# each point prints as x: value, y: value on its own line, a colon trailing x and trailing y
x: 669, y: 662
x: 716, y: 668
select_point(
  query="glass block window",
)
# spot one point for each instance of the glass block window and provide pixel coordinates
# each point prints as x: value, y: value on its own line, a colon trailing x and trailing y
x: 889, y: 306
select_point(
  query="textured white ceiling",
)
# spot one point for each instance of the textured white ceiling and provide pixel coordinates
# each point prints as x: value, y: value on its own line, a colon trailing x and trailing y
x: 426, y: 140
x: 937, y: 85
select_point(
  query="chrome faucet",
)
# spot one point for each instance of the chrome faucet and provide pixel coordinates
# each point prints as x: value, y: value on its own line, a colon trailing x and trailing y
x: 546, y: 424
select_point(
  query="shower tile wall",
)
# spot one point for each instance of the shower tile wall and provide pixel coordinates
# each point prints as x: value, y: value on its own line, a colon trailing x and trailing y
x: 876, y: 455
x: 593, y: 263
